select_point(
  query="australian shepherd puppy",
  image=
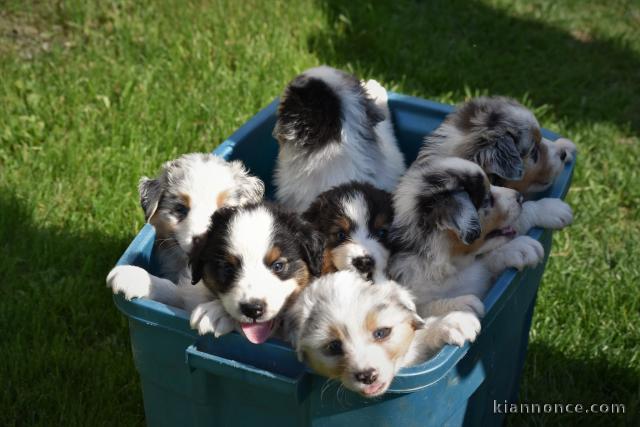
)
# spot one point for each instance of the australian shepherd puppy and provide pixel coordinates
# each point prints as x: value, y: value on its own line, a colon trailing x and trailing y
x: 454, y: 233
x: 179, y: 203
x: 332, y: 129
x: 347, y: 329
x: 505, y: 139
x: 253, y: 261
x: 354, y: 219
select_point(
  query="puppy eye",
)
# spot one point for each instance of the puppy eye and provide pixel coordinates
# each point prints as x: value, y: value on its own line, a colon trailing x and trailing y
x: 381, y: 333
x: 181, y: 211
x: 334, y: 348
x: 382, y: 233
x: 278, y: 266
x: 341, y: 236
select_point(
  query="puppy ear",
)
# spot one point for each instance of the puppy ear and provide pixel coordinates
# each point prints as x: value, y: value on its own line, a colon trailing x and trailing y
x: 406, y: 300
x: 461, y: 216
x: 150, y: 191
x: 502, y: 159
x: 248, y: 189
x: 196, y: 260
x: 312, y: 245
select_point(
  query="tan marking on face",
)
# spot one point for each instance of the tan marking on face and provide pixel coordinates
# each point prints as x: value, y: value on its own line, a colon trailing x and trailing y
x: 539, y: 172
x: 343, y: 224
x: 371, y: 321
x: 302, y: 275
x: 329, y: 367
x: 163, y: 227
x: 233, y: 260
x: 327, y: 262
x: 186, y: 199
x: 273, y: 254
x: 402, y: 337
x: 222, y: 198
x: 491, y: 219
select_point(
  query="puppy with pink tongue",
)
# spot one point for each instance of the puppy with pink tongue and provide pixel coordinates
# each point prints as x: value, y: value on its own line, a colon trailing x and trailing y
x: 249, y: 267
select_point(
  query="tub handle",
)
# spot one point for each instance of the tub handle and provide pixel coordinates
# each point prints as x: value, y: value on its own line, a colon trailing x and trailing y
x: 297, y: 387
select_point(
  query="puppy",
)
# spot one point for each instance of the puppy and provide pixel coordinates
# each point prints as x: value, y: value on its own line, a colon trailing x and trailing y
x: 179, y: 204
x: 354, y: 219
x: 505, y: 139
x: 253, y: 261
x: 454, y: 233
x: 347, y: 329
x: 332, y: 129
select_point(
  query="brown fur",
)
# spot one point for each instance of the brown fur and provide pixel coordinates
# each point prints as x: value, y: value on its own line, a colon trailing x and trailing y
x: 327, y: 263
x: 272, y: 255
x: 539, y: 172
x: 222, y: 198
x: 494, y: 220
x: 163, y: 228
x: 398, y: 348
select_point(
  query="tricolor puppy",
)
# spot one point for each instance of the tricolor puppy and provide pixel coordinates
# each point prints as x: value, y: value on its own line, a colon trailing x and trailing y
x: 355, y: 219
x: 505, y: 139
x: 253, y: 261
x: 332, y: 129
x: 179, y: 203
x: 345, y: 328
x: 455, y: 232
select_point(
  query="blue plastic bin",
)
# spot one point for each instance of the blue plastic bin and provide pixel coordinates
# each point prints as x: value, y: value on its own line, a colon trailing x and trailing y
x: 189, y: 380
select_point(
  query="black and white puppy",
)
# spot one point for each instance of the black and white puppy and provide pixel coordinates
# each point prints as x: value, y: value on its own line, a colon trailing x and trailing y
x: 505, y: 139
x: 355, y: 219
x: 332, y: 129
x: 455, y: 233
x: 253, y: 261
x: 179, y: 204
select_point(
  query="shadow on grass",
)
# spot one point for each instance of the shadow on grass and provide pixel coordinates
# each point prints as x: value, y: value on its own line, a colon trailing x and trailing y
x: 553, y: 377
x: 62, y: 338
x: 437, y: 48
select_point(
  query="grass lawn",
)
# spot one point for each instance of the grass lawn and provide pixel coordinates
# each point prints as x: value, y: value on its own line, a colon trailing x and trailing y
x: 94, y: 95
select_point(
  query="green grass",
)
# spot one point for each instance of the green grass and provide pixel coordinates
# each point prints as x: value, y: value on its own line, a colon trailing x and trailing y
x: 95, y: 94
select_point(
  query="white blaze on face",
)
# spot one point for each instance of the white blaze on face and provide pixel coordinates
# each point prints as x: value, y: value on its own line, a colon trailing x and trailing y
x: 205, y: 182
x: 360, y: 242
x: 250, y: 239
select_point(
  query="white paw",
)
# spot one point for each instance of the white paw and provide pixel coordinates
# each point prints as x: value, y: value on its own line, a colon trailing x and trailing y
x: 523, y: 252
x: 460, y: 326
x: 212, y: 318
x: 376, y: 92
x: 132, y: 281
x: 553, y: 214
x: 568, y: 147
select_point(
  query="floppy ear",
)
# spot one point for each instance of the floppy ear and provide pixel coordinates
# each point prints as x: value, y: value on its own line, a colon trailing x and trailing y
x: 461, y: 216
x: 502, y: 159
x: 196, y: 260
x: 315, y: 210
x: 150, y: 191
x: 312, y: 245
x: 406, y: 300
x: 248, y: 189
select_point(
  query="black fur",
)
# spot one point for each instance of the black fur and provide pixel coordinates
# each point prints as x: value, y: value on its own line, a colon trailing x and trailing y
x: 150, y: 192
x: 451, y: 201
x: 328, y: 208
x: 211, y: 261
x: 310, y: 112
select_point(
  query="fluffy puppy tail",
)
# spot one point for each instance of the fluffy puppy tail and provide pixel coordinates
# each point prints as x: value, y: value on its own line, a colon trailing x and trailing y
x: 310, y: 110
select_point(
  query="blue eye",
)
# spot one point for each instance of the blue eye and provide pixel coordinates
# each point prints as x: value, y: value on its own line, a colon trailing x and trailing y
x: 381, y: 333
x: 278, y: 266
x: 334, y: 348
x: 341, y: 236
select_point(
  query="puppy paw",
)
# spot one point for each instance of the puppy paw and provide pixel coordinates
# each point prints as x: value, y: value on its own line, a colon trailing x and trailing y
x: 522, y: 252
x: 566, y: 149
x: 458, y: 327
x: 132, y: 281
x: 553, y: 214
x: 376, y: 92
x: 211, y: 318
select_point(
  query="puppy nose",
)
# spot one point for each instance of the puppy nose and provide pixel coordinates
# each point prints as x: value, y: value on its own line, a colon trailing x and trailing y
x: 364, y: 264
x: 253, y: 309
x: 367, y: 377
x: 563, y: 155
x: 520, y: 198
